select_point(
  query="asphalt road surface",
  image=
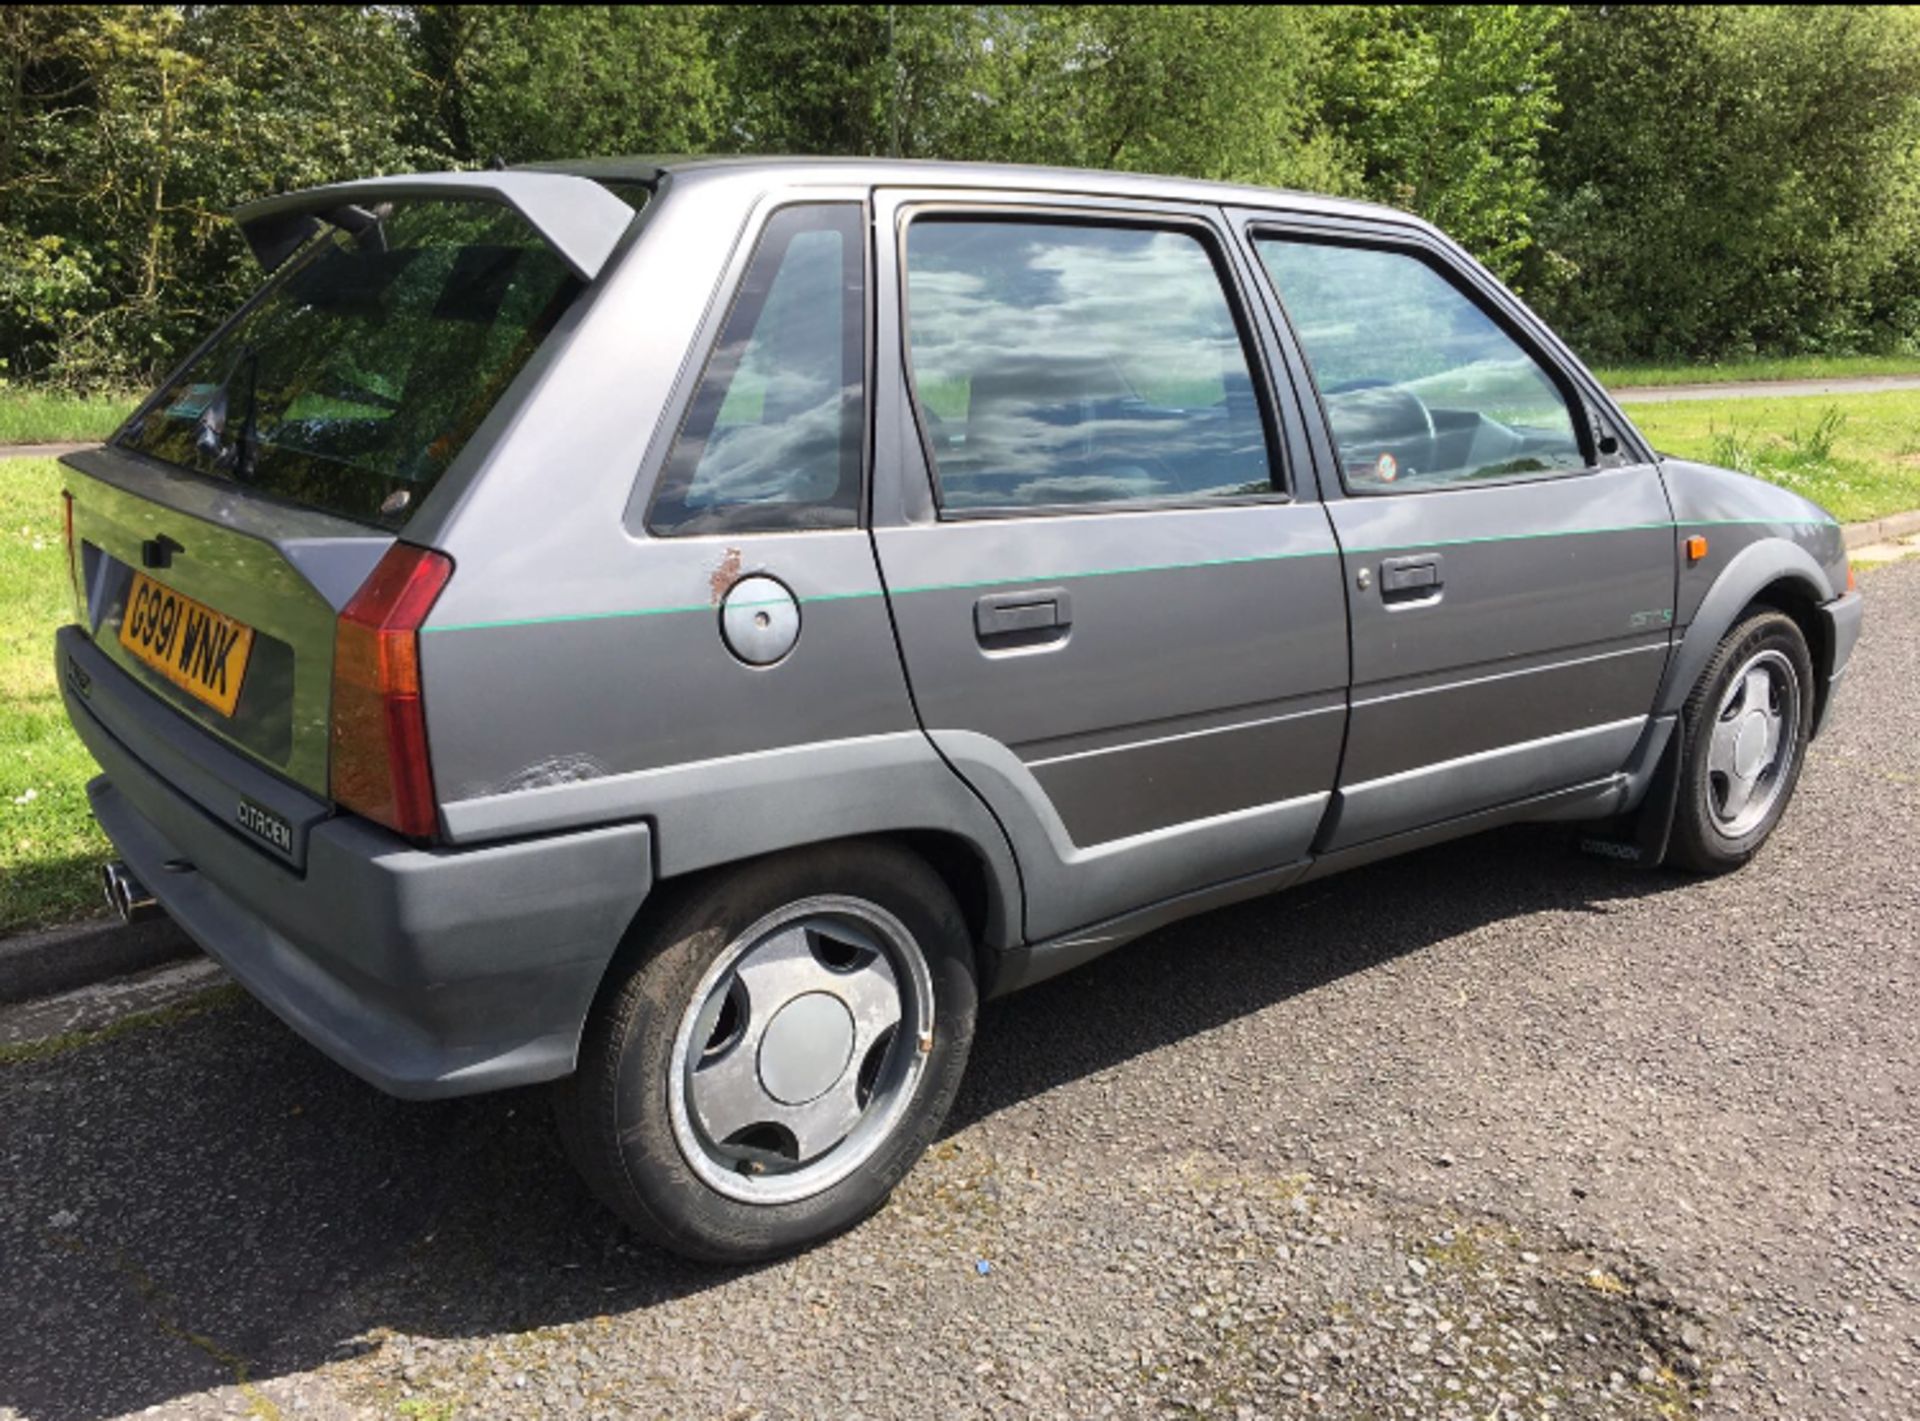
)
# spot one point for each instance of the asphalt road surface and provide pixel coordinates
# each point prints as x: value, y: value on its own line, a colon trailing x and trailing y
x: 1494, y: 1130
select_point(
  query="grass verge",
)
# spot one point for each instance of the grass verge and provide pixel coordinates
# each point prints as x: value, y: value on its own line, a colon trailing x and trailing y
x: 50, y: 847
x: 1858, y: 456
x: 1790, y: 367
x: 35, y: 417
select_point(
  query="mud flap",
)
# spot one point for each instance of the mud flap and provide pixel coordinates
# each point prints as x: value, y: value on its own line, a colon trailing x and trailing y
x: 1640, y: 838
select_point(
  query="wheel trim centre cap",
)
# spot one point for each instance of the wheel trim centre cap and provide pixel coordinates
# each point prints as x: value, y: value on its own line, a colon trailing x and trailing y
x: 805, y: 1048
x: 1750, y: 746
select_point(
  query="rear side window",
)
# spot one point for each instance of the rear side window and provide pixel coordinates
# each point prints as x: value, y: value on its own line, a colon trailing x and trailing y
x: 367, y: 364
x: 1422, y: 387
x: 1069, y: 363
x: 773, y: 438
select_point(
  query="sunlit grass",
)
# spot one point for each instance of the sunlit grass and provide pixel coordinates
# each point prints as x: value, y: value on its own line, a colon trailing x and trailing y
x: 1857, y: 456
x: 32, y: 417
x: 49, y: 845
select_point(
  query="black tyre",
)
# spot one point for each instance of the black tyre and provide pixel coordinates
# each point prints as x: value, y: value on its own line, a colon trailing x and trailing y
x: 1745, y: 730
x: 760, y: 1072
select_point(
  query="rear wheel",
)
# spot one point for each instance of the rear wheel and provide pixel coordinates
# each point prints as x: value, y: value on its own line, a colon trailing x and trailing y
x: 1746, y: 727
x: 766, y: 1073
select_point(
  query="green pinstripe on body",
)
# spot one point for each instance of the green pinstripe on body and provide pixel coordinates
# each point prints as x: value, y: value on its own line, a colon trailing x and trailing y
x: 1146, y: 567
x: 639, y: 612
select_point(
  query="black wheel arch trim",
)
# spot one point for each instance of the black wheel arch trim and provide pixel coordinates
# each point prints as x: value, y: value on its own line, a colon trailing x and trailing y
x: 1763, y: 571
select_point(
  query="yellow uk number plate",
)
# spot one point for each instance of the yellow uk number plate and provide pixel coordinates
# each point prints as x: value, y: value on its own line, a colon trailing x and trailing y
x: 193, y: 646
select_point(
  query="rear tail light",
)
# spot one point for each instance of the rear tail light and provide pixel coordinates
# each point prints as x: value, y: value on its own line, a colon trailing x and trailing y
x: 379, y: 759
x: 73, y: 557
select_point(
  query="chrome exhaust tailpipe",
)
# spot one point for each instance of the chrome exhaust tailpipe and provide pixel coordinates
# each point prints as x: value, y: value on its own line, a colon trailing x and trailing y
x: 126, y: 895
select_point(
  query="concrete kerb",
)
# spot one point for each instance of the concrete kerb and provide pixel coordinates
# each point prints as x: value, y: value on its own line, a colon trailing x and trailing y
x: 39, y: 964
x: 1883, y: 530
x: 55, y: 960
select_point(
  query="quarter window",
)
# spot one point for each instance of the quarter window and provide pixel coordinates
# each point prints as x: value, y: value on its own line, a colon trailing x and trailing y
x: 1423, y: 389
x: 773, y: 437
x: 1065, y: 363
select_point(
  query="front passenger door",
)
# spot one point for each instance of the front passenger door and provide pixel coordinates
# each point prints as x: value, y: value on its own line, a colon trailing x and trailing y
x: 1511, y: 587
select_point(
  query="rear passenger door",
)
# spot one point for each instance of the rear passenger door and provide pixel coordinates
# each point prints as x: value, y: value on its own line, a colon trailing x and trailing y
x: 1510, y: 566
x: 1121, y: 616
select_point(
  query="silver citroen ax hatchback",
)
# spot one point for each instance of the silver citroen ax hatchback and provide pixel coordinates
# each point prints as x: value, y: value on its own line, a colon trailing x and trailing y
x: 687, y: 631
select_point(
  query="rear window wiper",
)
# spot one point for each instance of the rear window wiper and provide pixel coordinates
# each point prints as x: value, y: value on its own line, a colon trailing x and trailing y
x: 210, y: 425
x: 247, y: 447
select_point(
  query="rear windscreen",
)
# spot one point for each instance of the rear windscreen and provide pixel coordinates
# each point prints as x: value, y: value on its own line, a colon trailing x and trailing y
x: 355, y: 378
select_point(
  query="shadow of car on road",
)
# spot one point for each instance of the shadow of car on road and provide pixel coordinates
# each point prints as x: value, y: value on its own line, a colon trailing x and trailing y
x: 214, y: 1202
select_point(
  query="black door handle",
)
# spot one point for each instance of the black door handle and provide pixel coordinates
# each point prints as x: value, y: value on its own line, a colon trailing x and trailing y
x: 1026, y: 618
x: 1410, y: 579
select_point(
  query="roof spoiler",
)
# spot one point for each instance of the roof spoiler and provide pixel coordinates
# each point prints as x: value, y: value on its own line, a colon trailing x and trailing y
x: 575, y: 216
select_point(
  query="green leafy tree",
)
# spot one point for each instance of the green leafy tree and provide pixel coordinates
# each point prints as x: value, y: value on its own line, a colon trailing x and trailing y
x: 813, y: 78
x: 1733, y: 180
x: 1663, y: 180
x: 527, y: 82
x: 130, y: 131
x: 1206, y: 91
x: 1444, y: 108
x: 1226, y: 92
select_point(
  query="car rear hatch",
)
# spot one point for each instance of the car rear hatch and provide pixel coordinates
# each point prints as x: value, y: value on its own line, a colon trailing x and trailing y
x: 171, y: 568
x: 220, y: 534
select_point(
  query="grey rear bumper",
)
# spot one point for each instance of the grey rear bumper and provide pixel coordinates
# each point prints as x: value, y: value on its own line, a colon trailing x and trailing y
x: 428, y: 972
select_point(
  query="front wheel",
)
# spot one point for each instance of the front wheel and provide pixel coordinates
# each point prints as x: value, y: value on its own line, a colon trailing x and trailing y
x: 1745, y: 729
x: 764, y: 1075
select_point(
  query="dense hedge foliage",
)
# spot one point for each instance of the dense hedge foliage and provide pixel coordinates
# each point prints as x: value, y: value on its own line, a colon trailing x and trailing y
x: 1662, y: 181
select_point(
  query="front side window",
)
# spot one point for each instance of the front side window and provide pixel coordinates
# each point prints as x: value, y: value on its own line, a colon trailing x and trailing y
x: 1423, y: 389
x: 773, y: 437
x: 353, y: 381
x: 1067, y: 363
